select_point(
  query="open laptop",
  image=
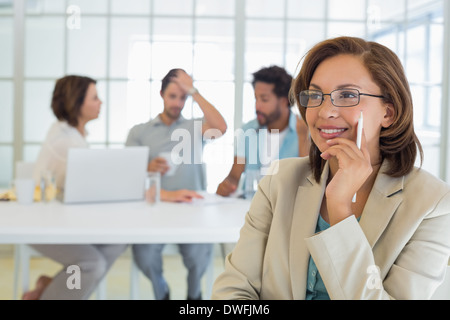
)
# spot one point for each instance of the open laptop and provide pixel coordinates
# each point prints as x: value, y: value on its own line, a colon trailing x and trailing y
x: 105, y: 175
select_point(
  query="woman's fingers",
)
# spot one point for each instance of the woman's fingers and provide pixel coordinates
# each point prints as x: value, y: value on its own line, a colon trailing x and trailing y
x: 354, y: 167
x: 346, y: 147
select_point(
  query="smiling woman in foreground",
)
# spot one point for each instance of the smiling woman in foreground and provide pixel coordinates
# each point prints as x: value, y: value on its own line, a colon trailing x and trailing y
x: 304, y: 237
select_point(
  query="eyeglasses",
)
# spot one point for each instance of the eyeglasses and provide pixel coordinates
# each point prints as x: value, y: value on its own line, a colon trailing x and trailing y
x: 339, y: 97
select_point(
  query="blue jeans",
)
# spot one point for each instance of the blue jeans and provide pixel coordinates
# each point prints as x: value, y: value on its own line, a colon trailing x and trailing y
x: 196, y: 257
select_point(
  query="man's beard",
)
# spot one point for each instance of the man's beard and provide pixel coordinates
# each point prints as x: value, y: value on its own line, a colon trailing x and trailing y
x: 270, y: 118
x: 174, y: 115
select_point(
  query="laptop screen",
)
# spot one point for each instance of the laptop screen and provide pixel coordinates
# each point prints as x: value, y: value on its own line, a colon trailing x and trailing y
x: 105, y: 175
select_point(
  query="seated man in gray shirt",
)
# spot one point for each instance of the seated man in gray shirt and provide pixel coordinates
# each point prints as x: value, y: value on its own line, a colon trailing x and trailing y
x: 183, y: 140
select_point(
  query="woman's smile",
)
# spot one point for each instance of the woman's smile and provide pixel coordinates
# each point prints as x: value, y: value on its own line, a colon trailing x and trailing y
x: 328, y: 133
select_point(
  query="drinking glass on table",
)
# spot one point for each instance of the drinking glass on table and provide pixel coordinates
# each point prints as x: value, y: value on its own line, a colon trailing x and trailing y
x: 24, y: 188
x: 153, y: 187
x: 48, y: 185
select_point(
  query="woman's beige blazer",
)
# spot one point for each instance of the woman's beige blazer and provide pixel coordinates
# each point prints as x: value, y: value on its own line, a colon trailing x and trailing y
x: 399, y: 249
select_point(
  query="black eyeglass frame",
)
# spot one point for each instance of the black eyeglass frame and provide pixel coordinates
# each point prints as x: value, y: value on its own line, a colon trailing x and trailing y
x: 332, y: 101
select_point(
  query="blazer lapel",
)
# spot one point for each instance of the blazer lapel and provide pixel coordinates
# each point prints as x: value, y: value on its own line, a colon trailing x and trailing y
x: 383, y: 201
x: 304, y: 221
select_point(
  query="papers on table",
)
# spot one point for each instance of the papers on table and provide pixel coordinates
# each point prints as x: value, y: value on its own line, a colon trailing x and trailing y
x: 210, y: 198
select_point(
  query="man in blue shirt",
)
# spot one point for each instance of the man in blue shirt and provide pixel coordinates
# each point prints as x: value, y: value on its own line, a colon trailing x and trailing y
x: 276, y: 132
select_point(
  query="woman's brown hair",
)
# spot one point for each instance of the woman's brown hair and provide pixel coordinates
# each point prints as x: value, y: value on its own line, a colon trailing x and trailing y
x: 398, y: 143
x: 68, y: 97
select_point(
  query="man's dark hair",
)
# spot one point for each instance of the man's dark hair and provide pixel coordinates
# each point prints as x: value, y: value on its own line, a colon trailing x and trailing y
x: 277, y: 76
x: 168, y: 78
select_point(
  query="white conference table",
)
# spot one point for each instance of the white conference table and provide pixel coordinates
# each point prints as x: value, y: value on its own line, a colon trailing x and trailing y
x: 204, y: 221
x: 122, y: 222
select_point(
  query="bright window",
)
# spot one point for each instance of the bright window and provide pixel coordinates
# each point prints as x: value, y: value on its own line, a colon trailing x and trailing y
x: 128, y: 46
